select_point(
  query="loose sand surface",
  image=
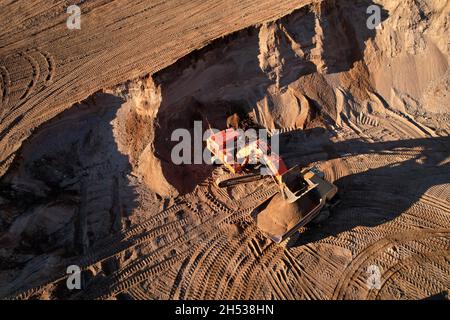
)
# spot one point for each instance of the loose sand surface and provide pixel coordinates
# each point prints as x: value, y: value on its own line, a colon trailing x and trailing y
x: 86, y: 176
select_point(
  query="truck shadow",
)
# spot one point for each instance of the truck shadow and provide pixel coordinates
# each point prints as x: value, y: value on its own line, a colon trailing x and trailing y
x: 381, y: 193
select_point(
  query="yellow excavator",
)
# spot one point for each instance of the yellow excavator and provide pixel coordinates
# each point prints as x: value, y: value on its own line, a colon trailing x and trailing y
x: 304, y: 193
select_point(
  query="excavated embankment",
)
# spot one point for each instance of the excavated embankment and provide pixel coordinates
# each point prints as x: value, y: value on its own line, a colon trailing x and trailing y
x: 95, y: 186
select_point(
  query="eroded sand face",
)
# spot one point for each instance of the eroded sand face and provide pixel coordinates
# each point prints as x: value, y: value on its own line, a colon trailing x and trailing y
x: 95, y: 186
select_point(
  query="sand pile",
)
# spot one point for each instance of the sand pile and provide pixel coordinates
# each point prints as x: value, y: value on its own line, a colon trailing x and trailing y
x: 279, y: 217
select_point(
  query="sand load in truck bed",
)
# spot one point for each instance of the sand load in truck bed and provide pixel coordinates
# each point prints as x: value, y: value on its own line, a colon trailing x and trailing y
x: 279, y: 217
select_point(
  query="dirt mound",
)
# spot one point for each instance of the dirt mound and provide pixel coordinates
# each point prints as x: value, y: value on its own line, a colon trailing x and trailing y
x: 279, y: 216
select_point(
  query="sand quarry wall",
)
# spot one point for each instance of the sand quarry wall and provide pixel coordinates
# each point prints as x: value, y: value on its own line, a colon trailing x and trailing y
x: 310, y: 56
x: 318, y: 66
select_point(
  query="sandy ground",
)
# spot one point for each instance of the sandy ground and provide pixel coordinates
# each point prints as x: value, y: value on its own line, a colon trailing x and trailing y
x: 86, y: 175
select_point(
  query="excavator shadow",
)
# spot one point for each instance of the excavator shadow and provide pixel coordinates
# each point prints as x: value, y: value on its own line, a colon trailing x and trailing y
x: 380, y: 193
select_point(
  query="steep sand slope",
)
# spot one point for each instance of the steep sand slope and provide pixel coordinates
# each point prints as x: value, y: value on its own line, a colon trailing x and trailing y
x: 45, y: 67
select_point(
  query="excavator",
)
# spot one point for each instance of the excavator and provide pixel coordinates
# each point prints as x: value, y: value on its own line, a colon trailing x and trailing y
x: 304, y: 194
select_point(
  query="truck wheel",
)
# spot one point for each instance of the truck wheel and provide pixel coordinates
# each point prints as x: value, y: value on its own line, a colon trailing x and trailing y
x: 335, y: 201
x: 323, y: 215
x: 285, y: 244
x: 292, y: 240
